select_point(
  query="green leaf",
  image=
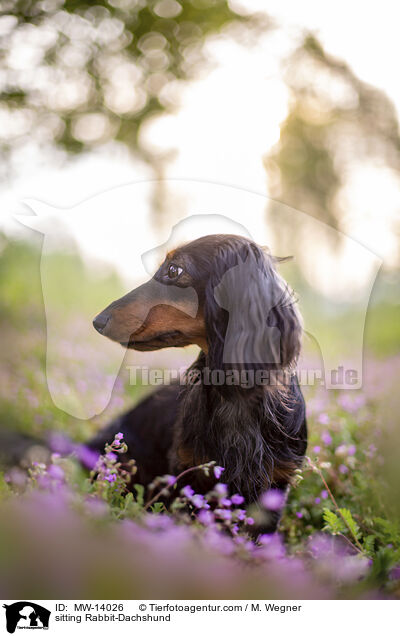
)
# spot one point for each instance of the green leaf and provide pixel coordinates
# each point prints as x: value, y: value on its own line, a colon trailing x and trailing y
x: 333, y: 523
x: 369, y: 544
x: 389, y: 529
x: 158, y: 507
x: 352, y: 525
x: 139, y: 494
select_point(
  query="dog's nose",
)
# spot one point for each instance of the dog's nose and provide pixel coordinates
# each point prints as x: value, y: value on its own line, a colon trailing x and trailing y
x: 100, y: 321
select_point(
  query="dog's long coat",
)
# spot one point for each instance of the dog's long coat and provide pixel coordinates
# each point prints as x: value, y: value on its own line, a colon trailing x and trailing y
x: 223, y: 293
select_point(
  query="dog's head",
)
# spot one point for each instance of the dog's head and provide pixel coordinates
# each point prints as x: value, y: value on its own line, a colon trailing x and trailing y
x: 221, y: 292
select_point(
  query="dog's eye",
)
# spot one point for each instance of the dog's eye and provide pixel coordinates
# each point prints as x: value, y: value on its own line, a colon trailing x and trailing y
x: 174, y: 271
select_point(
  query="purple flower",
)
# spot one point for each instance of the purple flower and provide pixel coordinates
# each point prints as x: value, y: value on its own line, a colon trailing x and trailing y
x: 272, y: 545
x: 324, y: 494
x: 205, y: 517
x: 187, y: 491
x: 239, y: 514
x: 326, y: 438
x: 87, y: 456
x: 44, y: 481
x: 224, y: 514
x: 158, y: 522
x: 218, y: 470
x: 16, y: 476
x: 322, y: 545
x: 221, y: 490
x: 323, y: 418
x: 217, y: 541
x: 343, y: 469
x: 111, y: 478
x: 299, y: 515
x: 60, y: 443
x: 250, y: 521
x: 198, y: 501
x: 317, y: 449
x: 237, y: 500
x: 118, y: 440
x: 317, y: 500
x: 112, y: 457
x: 55, y: 472
x: 351, y: 450
x: 96, y: 506
x: 273, y: 499
x: 351, y: 404
x: 225, y: 502
x: 169, y: 480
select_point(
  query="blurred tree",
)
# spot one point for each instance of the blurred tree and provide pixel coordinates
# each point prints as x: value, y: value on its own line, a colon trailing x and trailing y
x: 335, y: 121
x: 78, y: 74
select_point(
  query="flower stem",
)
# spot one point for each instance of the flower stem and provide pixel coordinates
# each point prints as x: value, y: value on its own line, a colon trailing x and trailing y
x: 185, y: 472
x: 319, y: 471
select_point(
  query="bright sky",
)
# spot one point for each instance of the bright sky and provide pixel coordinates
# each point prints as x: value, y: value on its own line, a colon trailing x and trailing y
x: 227, y: 122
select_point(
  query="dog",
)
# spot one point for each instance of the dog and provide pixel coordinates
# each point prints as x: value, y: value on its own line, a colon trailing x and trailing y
x: 244, y: 408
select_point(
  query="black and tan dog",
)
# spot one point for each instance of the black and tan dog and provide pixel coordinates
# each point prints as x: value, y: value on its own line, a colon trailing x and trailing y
x: 221, y: 292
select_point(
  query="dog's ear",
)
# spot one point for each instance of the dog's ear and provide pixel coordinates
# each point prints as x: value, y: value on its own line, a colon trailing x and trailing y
x: 251, y: 319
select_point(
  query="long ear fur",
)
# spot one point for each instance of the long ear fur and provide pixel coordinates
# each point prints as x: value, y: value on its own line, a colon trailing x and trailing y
x: 252, y: 321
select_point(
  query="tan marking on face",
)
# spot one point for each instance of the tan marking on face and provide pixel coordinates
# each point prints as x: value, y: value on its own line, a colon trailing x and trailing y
x: 165, y: 318
x: 125, y: 325
x: 170, y: 255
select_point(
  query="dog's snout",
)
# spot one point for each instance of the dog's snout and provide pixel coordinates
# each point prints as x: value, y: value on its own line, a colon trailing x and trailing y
x: 101, y: 321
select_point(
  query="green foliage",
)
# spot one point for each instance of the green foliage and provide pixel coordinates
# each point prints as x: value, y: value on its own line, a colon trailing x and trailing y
x: 19, y: 280
x: 382, y: 330
x: 334, y: 523
x: 369, y: 544
x: 390, y: 531
x: 117, y: 62
x: 139, y: 494
x: 350, y: 523
x: 335, y: 121
x: 158, y: 507
x: 77, y: 293
x: 4, y: 488
x: 342, y: 523
x: 356, y: 466
x: 305, y: 163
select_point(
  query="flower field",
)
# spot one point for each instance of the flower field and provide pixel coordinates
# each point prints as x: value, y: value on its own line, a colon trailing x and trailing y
x: 67, y: 532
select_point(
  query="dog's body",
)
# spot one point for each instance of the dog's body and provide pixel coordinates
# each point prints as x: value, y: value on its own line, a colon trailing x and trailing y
x: 252, y: 425
x: 148, y: 431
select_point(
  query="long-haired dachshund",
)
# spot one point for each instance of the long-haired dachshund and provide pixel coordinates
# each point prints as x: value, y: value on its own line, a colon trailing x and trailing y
x: 241, y: 404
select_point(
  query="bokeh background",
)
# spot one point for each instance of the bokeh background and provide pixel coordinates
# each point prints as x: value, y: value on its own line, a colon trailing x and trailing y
x: 297, y: 105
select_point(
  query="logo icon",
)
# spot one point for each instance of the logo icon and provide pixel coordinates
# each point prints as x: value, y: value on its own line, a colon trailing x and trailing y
x: 26, y: 615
